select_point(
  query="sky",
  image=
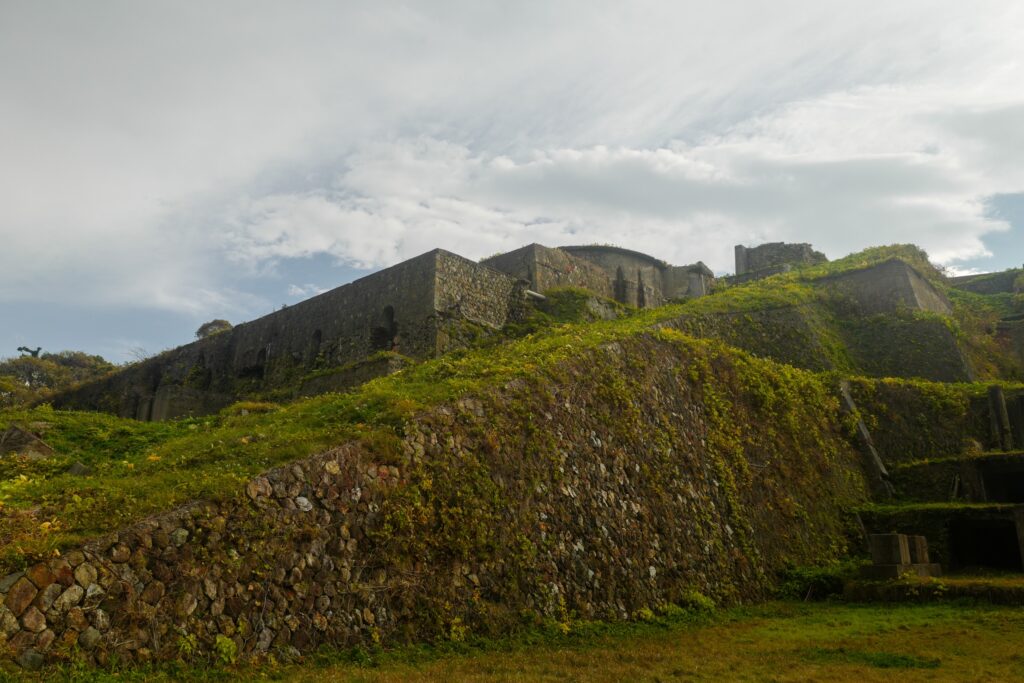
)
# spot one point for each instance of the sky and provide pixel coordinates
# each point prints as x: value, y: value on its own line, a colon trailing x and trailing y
x: 167, y: 163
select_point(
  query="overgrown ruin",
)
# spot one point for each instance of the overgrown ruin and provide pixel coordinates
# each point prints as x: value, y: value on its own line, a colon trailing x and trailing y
x: 437, y: 302
x: 690, y: 445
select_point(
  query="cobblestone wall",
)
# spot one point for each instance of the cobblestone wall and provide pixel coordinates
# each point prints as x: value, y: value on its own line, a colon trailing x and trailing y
x: 607, y: 490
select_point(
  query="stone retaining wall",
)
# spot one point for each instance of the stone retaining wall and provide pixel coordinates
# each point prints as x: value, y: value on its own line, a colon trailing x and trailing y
x: 631, y: 476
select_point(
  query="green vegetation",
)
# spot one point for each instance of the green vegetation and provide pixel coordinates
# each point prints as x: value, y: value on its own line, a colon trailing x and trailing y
x: 125, y: 470
x: 141, y: 468
x: 787, y: 641
x: 137, y: 468
x: 909, y: 253
x: 33, y: 377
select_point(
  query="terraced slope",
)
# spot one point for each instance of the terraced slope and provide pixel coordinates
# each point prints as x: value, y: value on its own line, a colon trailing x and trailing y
x: 595, y: 468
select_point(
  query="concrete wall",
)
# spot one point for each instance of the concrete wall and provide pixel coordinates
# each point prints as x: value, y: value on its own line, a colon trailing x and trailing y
x: 887, y: 288
x: 637, y: 279
x: 774, y: 256
x: 408, y: 308
x: 546, y: 268
x: 988, y: 283
x: 687, y: 282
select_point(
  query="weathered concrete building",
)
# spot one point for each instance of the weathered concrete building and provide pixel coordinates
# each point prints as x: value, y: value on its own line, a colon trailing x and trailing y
x: 888, y: 287
x: 418, y: 308
x: 753, y: 263
x: 629, y: 277
x: 436, y: 302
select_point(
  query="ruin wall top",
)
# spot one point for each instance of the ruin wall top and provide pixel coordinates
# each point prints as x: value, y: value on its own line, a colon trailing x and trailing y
x: 775, y: 256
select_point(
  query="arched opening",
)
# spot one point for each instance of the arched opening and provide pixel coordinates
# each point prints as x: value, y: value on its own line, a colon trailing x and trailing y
x: 383, y: 336
x: 314, y: 347
x: 256, y: 368
x: 986, y: 543
x: 620, y: 287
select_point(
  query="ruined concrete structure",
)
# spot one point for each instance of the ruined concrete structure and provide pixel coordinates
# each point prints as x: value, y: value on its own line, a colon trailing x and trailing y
x: 627, y: 276
x: 420, y: 308
x: 988, y: 283
x: 753, y: 263
x: 888, y: 287
x: 438, y: 301
x: 1011, y: 328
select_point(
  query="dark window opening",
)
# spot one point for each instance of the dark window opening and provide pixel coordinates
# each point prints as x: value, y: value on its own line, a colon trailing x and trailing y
x: 641, y: 295
x: 382, y: 337
x: 620, y: 287
x: 314, y: 346
x: 989, y: 543
x: 254, y: 370
x: 1004, y: 485
x: 1017, y: 420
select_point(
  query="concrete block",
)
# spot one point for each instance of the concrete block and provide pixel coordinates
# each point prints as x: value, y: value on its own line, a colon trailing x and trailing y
x: 889, y: 549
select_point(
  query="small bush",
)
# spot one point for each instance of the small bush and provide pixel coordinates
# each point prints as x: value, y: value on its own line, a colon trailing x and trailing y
x: 814, y: 583
x: 225, y: 650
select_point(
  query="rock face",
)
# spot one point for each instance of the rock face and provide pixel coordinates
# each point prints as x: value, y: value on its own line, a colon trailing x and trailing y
x: 19, y: 440
x: 637, y: 474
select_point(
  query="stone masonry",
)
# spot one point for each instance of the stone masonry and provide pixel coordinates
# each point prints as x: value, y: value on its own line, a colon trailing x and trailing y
x: 455, y: 527
x: 627, y: 276
x: 414, y: 309
x: 753, y: 263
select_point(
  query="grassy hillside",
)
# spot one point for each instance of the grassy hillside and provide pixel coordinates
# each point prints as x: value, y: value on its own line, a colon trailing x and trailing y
x: 140, y: 468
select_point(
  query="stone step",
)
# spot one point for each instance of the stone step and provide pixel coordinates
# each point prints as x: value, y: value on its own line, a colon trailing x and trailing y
x: 960, y: 535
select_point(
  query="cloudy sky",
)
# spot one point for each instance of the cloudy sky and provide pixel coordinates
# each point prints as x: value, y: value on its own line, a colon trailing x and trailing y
x: 165, y: 163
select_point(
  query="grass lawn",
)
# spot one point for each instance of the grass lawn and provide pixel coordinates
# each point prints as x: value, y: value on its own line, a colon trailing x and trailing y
x: 780, y: 641
x: 777, y: 642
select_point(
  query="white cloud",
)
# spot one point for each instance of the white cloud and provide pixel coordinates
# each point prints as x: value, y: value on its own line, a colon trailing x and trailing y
x: 154, y: 154
x: 681, y: 202
x: 305, y: 290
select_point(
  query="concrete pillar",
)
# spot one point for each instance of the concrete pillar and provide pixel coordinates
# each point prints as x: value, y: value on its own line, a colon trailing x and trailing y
x: 889, y: 549
x: 1016, y: 408
x: 918, y: 546
x: 1018, y: 518
x: 696, y: 285
x: 741, y: 259
x: 999, y: 419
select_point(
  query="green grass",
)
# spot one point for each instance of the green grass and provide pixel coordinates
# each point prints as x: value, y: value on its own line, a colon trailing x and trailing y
x: 783, y: 641
x: 944, y: 506
x: 877, y: 660
x: 967, y: 455
x: 142, y: 468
